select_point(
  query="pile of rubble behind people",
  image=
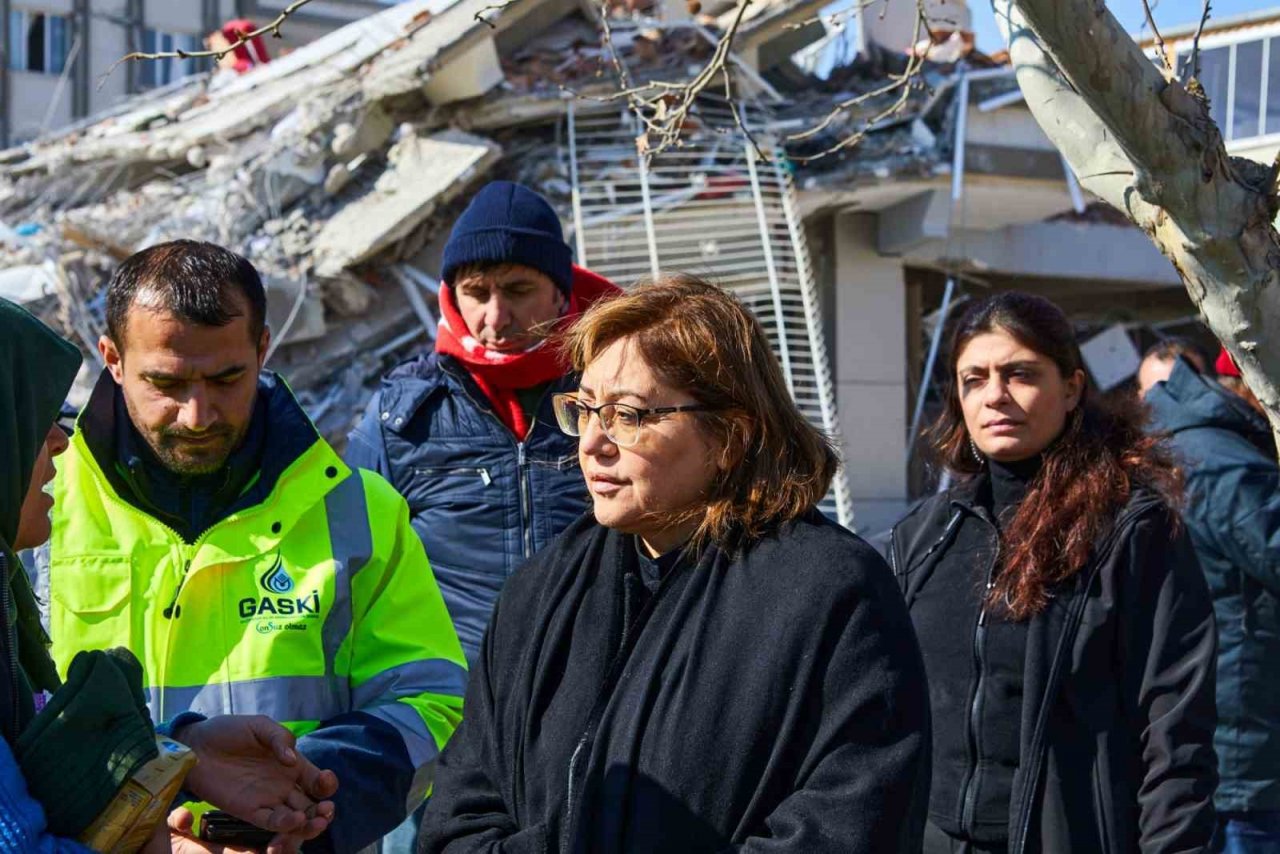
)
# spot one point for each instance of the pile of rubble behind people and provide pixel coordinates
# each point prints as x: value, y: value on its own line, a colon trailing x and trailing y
x: 338, y: 168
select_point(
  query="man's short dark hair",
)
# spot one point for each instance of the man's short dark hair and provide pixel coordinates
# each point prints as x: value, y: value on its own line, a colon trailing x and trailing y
x: 1168, y: 349
x: 198, y: 282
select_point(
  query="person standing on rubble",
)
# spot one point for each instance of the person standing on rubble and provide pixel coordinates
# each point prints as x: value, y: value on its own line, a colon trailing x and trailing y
x: 203, y: 523
x: 467, y: 433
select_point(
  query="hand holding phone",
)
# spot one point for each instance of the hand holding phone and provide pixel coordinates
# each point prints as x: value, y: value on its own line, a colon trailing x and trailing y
x: 225, y: 829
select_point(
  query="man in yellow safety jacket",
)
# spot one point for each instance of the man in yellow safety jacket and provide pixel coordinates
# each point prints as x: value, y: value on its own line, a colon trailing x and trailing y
x: 202, y: 522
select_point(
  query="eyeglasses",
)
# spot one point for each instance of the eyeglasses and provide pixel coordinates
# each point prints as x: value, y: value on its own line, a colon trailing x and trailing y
x: 621, y: 421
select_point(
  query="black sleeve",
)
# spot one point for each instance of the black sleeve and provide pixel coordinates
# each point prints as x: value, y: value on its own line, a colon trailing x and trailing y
x: 467, y: 812
x: 865, y: 781
x: 1169, y: 662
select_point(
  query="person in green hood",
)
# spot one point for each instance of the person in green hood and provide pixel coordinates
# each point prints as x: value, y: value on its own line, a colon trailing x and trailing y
x: 54, y: 780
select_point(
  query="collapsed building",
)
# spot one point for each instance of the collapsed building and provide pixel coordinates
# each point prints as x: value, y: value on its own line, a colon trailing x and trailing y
x: 338, y: 168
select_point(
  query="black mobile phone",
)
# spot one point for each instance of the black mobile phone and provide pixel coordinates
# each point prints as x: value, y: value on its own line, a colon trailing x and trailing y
x: 226, y: 829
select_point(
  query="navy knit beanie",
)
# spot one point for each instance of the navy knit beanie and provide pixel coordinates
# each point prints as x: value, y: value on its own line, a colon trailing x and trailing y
x: 508, y: 223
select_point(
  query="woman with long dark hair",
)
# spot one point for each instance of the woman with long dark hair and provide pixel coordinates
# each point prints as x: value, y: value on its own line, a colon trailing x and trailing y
x: 1066, y: 628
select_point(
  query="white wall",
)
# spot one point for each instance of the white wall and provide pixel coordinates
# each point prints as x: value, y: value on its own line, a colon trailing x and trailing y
x: 892, y: 25
x: 32, y: 95
x: 1264, y: 150
x: 870, y: 350
x: 174, y: 16
x: 107, y: 43
x: 1008, y: 127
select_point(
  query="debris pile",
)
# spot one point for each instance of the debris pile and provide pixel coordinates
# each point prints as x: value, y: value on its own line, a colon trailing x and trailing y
x: 337, y: 168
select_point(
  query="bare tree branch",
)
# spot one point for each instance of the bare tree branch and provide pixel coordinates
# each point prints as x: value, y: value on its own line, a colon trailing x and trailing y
x: 1210, y: 214
x: 901, y: 82
x: 664, y: 107
x: 844, y: 14
x: 1155, y: 34
x: 834, y: 17
x: 737, y: 116
x: 607, y: 35
x: 273, y: 28
x: 1195, y: 42
x: 495, y: 7
x: 853, y: 139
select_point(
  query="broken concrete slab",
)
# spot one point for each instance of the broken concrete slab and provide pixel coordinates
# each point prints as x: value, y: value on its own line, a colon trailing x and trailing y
x: 28, y: 283
x: 294, y: 313
x: 452, y: 33
x: 369, y: 131
x: 423, y: 173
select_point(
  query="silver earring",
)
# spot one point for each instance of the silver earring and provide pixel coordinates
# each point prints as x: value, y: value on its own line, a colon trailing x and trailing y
x: 973, y: 449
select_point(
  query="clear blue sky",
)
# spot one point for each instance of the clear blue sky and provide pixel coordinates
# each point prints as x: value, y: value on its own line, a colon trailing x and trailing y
x: 1168, y: 13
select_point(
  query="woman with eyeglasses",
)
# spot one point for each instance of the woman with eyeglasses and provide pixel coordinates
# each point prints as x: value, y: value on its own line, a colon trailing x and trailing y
x: 705, y: 662
x: 1066, y: 627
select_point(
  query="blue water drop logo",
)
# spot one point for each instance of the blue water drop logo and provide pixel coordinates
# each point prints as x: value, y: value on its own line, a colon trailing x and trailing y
x: 276, y: 580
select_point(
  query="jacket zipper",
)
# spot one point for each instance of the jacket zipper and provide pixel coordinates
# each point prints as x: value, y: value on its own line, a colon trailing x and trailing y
x: 613, y: 678
x: 568, y: 802
x: 522, y: 468
x: 969, y: 788
x: 173, y: 611
x: 1018, y: 843
x: 1104, y: 820
x: 526, y: 512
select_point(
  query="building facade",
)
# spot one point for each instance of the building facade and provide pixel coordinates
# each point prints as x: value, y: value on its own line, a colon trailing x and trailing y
x: 60, y: 56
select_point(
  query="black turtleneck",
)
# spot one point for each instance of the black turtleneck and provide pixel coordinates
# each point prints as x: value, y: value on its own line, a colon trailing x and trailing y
x: 1009, y: 484
x: 644, y: 577
x: 975, y: 672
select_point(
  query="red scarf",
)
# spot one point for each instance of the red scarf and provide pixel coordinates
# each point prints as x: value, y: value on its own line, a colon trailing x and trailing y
x: 500, y: 374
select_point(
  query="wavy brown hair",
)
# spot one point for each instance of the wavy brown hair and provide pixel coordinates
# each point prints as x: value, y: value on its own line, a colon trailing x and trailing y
x: 696, y: 337
x: 1087, y: 475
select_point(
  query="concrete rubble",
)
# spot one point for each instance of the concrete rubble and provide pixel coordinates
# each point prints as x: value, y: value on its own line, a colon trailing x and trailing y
x: 338, y: 168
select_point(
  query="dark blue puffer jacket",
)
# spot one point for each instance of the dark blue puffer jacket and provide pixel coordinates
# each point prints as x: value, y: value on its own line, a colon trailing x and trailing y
x: 481, y: 501
x: 1232, y: 513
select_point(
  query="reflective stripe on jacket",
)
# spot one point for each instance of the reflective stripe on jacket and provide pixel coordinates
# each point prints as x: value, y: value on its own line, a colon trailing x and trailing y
x: 316, y: 603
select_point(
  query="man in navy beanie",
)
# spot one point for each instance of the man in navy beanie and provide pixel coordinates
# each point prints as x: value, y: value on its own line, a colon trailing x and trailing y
x: 466, y: 433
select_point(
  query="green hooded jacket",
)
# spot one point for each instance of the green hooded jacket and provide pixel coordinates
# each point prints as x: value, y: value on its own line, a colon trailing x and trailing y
x: 37, y: 368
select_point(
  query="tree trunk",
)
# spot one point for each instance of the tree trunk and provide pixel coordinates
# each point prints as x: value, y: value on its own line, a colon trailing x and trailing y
x: 1148, y: 147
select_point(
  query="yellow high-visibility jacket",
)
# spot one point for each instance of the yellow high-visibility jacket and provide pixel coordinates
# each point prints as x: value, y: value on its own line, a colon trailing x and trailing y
x: 315, y: 607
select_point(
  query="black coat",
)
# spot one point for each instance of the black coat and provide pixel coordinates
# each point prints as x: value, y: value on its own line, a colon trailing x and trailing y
x: 1118, y: 693
x: 770, y: 701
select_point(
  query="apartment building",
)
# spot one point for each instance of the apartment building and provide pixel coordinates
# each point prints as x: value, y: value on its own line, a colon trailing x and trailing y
x: 58, y: 55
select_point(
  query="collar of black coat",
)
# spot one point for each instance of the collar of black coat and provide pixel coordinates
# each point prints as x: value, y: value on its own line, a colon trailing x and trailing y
x: 918, y: 540
x: 284, y: 430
